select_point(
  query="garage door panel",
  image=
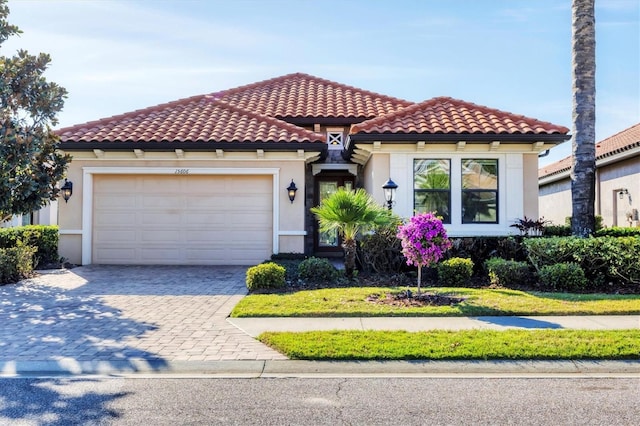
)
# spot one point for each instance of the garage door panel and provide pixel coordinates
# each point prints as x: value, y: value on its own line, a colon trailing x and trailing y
x: 198, y: 219
x: 109, y: 218
x: 117, y: 255
x: 159, y: 235
x: 115, y: 201
x: 172, y: 217
x: 121, y: 236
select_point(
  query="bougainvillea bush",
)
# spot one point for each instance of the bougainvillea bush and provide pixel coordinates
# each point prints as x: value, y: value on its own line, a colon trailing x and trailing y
x: 424, y: 241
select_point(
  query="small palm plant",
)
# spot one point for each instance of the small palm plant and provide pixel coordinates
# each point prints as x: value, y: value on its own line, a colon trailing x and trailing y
x: 350, y: 213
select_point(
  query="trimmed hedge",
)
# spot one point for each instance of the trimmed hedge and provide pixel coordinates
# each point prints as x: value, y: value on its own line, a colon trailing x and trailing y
x: 618, y: 231
x: 562, y: 277
x: 507, y: 273
x: 317, y: 269
x: 606, y: 261
x: 454, y: 272
x: 43, y: 237
x: 16, y: 263
x: 265, y: 276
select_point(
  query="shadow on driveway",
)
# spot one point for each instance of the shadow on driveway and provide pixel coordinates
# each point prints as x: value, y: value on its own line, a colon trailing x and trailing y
x: 55, y: 327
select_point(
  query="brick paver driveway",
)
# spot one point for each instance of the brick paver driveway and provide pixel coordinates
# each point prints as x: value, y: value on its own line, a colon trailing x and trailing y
x: 120, y: 313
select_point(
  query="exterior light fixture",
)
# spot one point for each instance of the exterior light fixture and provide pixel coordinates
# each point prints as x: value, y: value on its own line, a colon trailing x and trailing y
x: 291, y: 190
x: 389, y: 188
x: 622, y: 193
x: 67, y: 190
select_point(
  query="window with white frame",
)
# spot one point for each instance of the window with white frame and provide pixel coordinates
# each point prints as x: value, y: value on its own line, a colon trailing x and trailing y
x: 479, y: 191
x: 335, y: 139
x: 432, y: 187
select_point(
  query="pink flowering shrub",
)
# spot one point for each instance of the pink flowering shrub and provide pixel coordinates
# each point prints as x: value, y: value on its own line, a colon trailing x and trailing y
x: 424, y: 241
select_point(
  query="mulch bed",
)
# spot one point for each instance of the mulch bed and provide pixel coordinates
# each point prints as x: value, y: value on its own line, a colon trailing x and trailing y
x: 408, y: 298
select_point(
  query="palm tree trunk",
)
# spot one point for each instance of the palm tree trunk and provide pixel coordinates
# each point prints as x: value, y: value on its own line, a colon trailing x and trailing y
x: 584, y: 117
x: 349, y: 247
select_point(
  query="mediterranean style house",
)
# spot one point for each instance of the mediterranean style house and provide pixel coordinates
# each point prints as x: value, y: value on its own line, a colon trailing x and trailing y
x: 229, y: 177
x: 617, y: 182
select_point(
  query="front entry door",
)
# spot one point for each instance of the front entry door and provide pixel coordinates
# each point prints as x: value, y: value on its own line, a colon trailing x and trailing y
x: 329, y: 242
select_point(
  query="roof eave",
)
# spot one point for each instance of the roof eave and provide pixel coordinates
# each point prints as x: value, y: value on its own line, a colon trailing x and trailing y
x: 192, y: 146
x: 556, y: 138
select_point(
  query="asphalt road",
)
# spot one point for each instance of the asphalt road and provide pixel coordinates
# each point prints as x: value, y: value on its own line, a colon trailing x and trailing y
x: 320, y: 401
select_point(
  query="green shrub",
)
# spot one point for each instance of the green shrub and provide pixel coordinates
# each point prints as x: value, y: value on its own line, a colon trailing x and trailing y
x: 43, y: 237
x: 317, y: 269
x: 507, y: 273
x: 454, y: 272
x: 480, y: 249
x: 562, y: 277
x: 556, y: 231
x: 606, y: 261
x: 265, y: 276
x: 618, y: 231
x: 381, y: 251
x: 16, y: 263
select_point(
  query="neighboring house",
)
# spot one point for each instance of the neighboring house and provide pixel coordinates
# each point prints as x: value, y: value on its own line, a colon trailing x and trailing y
x: 617, y: 182
x: 205, y: 180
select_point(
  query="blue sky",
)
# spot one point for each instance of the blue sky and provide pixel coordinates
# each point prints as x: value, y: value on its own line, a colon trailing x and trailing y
x: 515, y: 55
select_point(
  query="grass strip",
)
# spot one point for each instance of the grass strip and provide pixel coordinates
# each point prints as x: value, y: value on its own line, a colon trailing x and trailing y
x: 350, y: 302
x: 457, y: 345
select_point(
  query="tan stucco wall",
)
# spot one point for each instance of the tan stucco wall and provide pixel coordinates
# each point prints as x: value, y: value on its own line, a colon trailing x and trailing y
x: 530, y: 186
x: 376, y: 173
x: 289, y: 165
x: 555, y: 201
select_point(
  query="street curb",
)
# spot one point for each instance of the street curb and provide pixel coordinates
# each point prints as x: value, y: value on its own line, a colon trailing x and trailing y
x: 296, y: 368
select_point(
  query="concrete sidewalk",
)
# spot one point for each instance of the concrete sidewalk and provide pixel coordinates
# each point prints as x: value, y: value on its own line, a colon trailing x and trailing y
x: 255, y: 326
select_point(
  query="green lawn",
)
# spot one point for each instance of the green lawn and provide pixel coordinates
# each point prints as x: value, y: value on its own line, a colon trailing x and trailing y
x: 350, y: 302
x: 459, y: 345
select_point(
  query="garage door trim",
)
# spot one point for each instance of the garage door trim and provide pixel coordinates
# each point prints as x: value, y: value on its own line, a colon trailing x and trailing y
x: 87, y: 193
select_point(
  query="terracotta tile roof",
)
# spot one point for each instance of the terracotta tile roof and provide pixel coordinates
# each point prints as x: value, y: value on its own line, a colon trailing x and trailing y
x: 196, y: 119
x: 444, y: 115
x: 620, y: 142
x: 304, y: 96
x: 553, y: 168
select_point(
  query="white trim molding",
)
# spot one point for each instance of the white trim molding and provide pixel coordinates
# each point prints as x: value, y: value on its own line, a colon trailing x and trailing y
x: 87, y: 194
x: 292, y: 233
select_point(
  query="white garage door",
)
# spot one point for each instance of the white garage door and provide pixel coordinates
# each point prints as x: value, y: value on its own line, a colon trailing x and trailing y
x: 182, y: 220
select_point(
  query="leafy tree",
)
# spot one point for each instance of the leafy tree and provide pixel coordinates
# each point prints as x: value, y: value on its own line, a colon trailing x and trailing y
x: 584, y: 118
x: 350, y: 212
x: 30, y: 165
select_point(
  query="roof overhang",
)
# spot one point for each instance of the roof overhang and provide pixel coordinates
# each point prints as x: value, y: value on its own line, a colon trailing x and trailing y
x: 191, y: 145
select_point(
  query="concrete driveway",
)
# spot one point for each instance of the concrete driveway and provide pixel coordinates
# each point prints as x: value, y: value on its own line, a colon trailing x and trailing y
x: 126, y: 314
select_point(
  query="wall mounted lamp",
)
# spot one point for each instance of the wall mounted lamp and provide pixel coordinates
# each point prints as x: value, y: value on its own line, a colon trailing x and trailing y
x: 389, y: 189
x: 67, y: 190
x: 622, y: 193
x: 291, y: 190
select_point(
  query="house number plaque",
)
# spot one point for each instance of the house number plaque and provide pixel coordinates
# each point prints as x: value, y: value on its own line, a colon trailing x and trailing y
x: 182, y: 171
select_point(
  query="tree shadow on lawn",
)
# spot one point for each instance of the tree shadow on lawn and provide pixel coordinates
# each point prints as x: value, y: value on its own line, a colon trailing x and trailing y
x: 52, y: 328
x: 59, y: 401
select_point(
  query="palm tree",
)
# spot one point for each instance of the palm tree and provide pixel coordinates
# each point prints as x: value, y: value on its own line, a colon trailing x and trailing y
x: 584, y: 117
x: 350, y: 213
